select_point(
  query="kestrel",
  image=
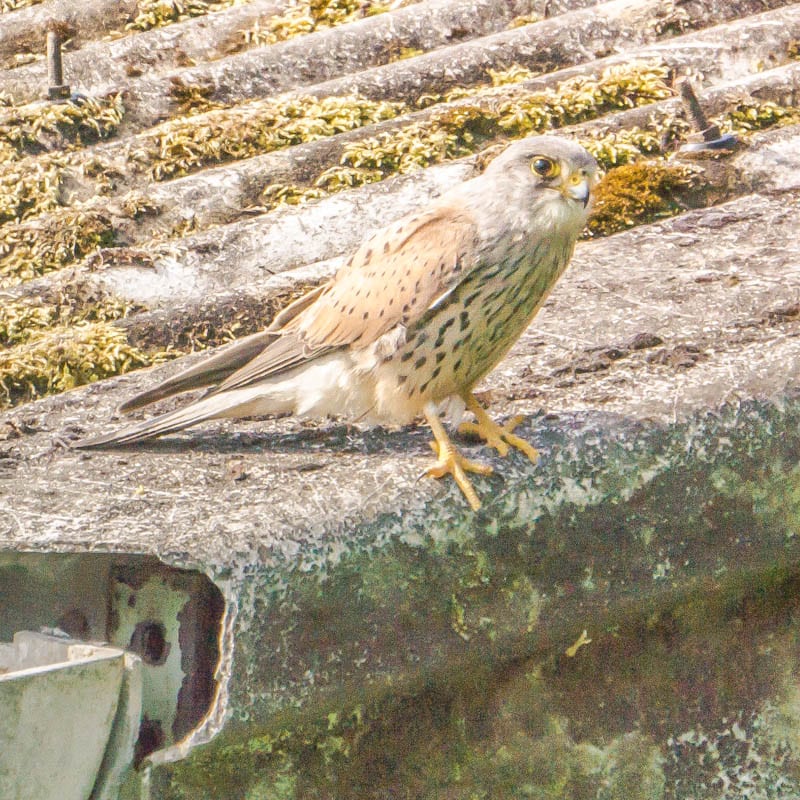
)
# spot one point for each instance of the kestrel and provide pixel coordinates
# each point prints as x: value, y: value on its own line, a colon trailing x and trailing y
x: 420, y: 313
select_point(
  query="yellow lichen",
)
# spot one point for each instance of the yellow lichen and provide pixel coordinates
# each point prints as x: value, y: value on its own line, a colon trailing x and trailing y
x: 402, y: 53
x: 524, y: 19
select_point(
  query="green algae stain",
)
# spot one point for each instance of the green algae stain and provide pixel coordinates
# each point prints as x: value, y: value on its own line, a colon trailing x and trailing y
x: 443, y: 668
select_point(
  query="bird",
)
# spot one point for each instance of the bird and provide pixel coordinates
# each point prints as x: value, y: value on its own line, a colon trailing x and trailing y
x: 421, y: 311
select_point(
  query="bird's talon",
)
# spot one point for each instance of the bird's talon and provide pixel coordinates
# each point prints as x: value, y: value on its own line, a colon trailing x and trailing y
x: 453, y: 463
x: 489, y: 437
x: 500, y: 437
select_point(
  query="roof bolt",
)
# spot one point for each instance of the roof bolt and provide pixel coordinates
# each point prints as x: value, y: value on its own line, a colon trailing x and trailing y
x: 57, y: 89
x: 713, y: 138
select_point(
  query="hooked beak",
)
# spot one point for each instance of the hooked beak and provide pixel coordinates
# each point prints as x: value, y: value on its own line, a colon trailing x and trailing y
x: 576, y: 187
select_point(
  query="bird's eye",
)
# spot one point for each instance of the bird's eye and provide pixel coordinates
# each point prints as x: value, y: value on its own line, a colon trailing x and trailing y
x: 544, y: 167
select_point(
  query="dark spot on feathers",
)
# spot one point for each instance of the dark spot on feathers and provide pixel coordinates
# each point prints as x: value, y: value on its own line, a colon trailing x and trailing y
x: 470, y: 299
x: 365, y: 315
x: 439, y: 357
x: 457, y: 365
x: 464, y: 320
x: 401, y: 379
x: 408, y: 354
x: 423, y: 387
x: 368, y: 254
x: 420, y: 362
x: 443, y: 331
x: 386, y: 247
x: 383, y: 311
x: 436, y: 372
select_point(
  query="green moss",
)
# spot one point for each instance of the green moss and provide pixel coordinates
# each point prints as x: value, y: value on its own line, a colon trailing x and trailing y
x: 13, y: 5
x: 636, y: 193
x: 31, y: 187
x: 525, y: 19
x: 306, y: 17
x: 39, y: 127
x: 626, y: 146
x: 61, y: 358
x: 28, y: 250
x: 756, y: 116
x: 462, y: 129
x: 181, y: 146
x: 159, y: 13
x: 193, y: 98
x: 21, y: 320
x: 280, y: 194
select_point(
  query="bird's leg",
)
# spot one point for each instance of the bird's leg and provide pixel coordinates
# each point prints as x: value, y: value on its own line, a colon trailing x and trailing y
x: 498, y: 436
x: 451, y: 462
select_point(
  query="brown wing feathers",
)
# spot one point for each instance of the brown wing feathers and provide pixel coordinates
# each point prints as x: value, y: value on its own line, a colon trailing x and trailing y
x: 391, y: 279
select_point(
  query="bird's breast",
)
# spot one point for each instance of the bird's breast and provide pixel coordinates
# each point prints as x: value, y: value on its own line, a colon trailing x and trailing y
x: 455, y: 344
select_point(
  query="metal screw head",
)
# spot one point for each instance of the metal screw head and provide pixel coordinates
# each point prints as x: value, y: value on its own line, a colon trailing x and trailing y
x: 713, y: 138
x: 57, y: 89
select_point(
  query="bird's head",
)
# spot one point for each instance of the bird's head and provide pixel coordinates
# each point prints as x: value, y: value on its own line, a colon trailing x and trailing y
x: 551, y: 168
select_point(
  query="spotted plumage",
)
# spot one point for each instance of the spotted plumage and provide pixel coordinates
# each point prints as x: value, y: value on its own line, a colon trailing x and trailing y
x: 420, y: 313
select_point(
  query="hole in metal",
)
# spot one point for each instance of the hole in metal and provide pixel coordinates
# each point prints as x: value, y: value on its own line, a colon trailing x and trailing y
x: 150, y: 642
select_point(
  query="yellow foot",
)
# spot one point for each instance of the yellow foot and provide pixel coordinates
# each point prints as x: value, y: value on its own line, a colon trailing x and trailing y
x: 451, y: 462
x: 501, y: 437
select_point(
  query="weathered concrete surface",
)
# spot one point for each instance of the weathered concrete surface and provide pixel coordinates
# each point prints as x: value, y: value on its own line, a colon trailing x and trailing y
x: 24, y: 33
x: 378, y: 639
x: 91, y: 63
x: 244, y: 250
x: 322, y: 54
x: 583, y: 38
x: 382, y: 640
